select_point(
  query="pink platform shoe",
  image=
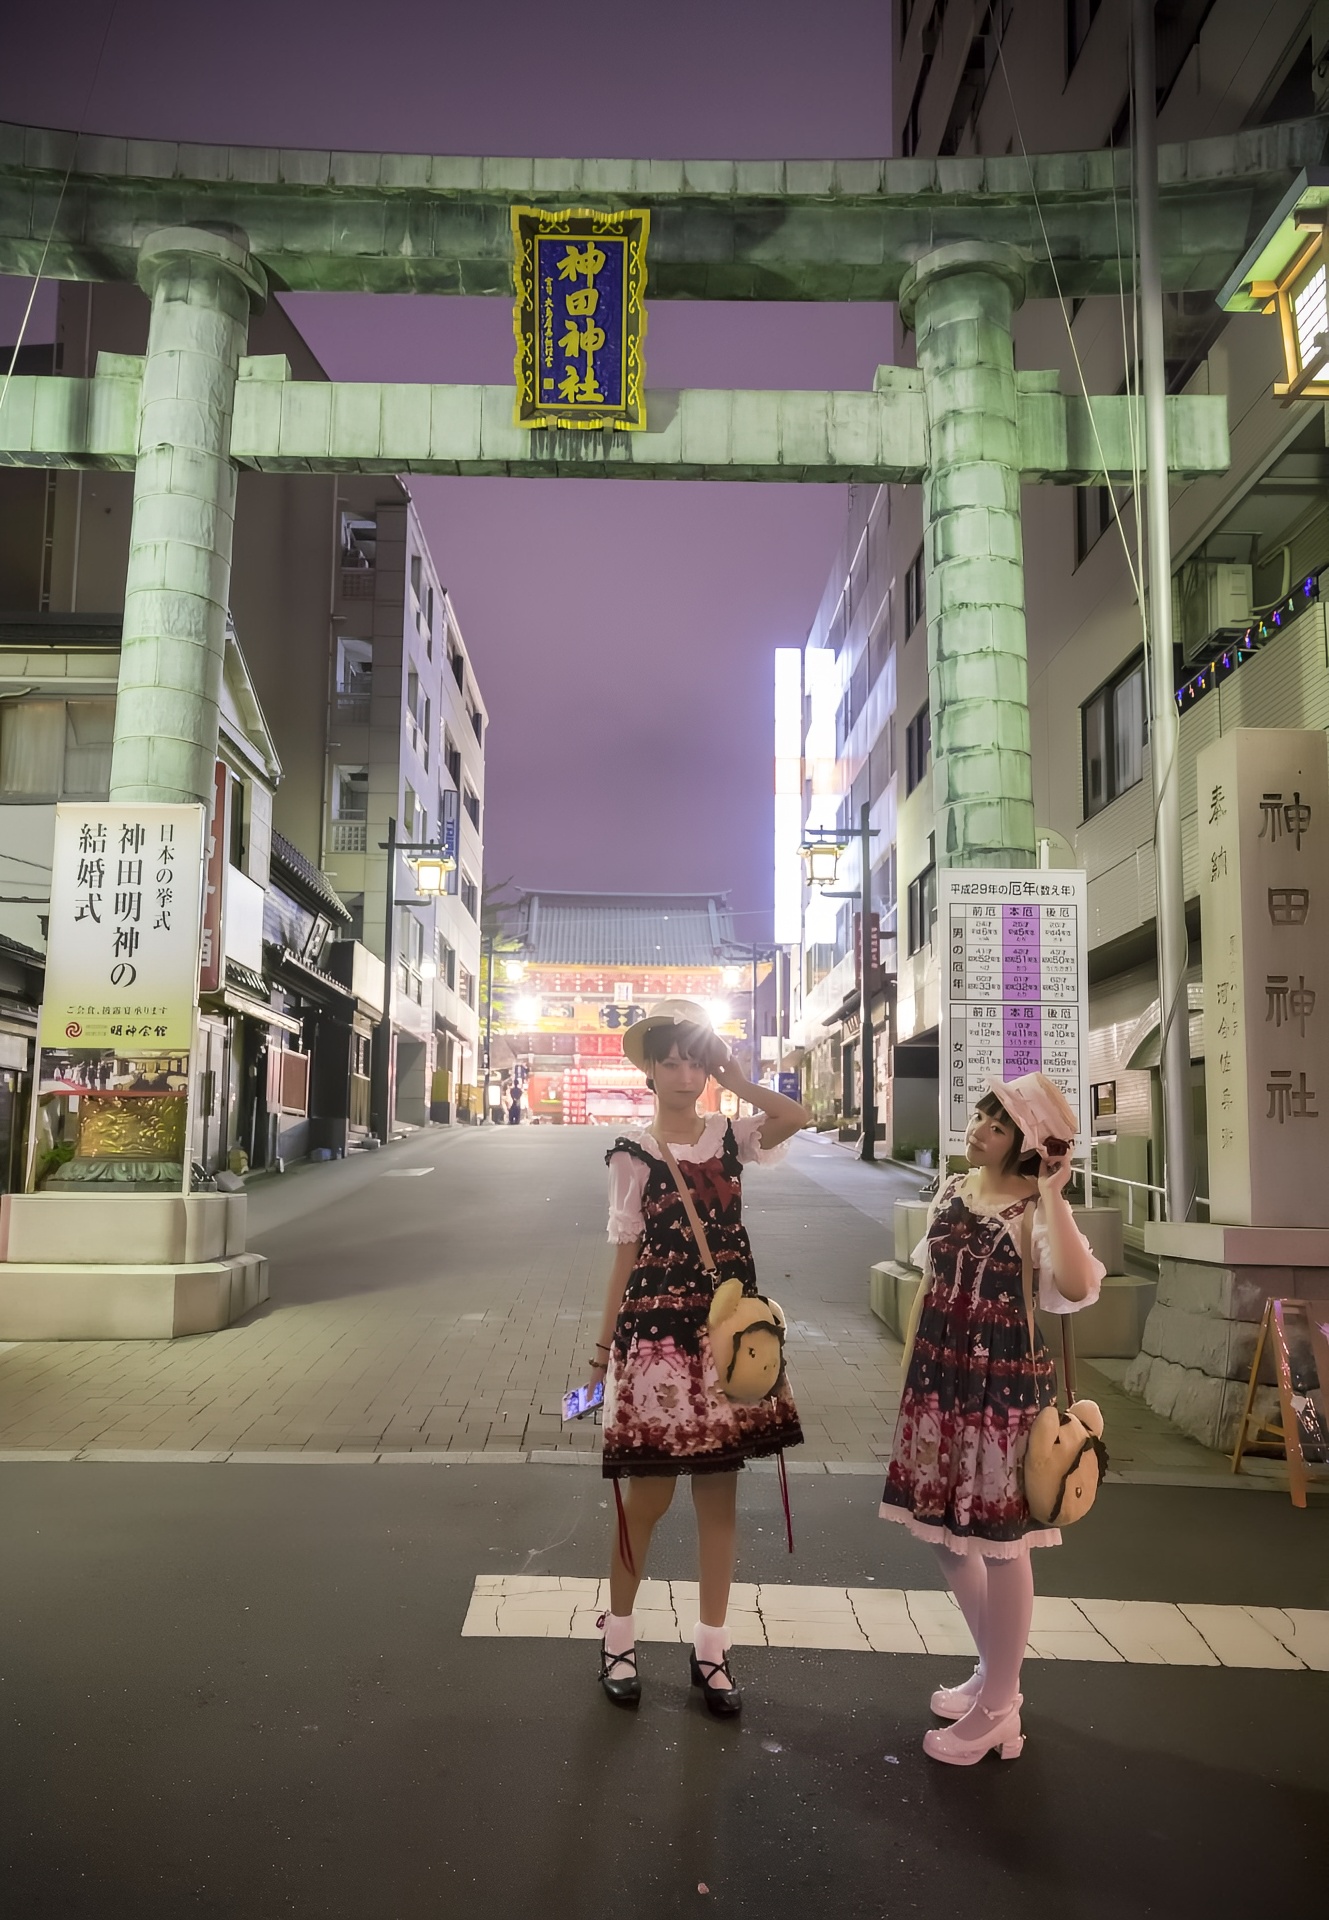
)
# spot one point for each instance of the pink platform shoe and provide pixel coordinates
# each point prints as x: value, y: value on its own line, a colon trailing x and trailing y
x: 953, y: 1703
x: 1002, y: 1732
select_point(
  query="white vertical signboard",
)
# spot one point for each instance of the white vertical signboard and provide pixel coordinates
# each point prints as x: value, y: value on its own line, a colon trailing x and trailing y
x: 118, y: 1013
x: 123, y: 948
x: 1014, y: 987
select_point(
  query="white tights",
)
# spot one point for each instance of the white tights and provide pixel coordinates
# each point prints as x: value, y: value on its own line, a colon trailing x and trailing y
x: 996, y: 1598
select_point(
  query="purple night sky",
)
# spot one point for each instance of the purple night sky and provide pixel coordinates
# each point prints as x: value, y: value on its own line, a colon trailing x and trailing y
x: 631, y: 728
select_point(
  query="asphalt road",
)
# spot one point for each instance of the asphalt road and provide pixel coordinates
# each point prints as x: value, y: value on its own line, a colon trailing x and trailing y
x: 241, y: 1690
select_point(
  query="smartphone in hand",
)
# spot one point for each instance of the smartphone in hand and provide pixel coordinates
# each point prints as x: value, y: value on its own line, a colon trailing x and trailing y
x: 582, y: 1400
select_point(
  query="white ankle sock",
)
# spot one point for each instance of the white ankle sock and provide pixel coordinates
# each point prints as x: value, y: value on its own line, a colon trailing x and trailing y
x: 711, y: 1645
x: 620, y: 1633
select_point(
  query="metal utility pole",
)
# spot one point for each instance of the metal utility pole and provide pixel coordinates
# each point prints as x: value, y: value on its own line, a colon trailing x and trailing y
x: 868, y: 1148
x: 381, y: 1085
x: 1174, y: 1018
x: 488, y: 945
x: 756, y: 1037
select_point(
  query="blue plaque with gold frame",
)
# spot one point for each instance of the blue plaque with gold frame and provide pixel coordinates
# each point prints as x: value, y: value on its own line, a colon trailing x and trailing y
x: 579, y: 318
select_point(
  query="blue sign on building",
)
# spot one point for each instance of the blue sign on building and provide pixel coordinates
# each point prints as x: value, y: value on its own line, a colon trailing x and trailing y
x: 787, y: 1084
x: 579, y: 318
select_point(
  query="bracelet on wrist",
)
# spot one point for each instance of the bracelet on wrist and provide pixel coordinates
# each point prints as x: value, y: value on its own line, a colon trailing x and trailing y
x: 597, y: 1366
x: 602, y: 1346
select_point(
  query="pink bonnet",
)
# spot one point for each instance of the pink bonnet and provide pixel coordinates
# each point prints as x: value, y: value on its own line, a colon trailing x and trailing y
x: 1038, y: 1107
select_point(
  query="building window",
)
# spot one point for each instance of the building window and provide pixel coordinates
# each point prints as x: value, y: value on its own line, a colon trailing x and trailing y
x: 881, y: 760
x: 417, y: 586
x: 918, y: 747
x: 1093, y: 517
x: 470, y: 895
x: 452, y: 759
x: 923, y: 902
x: 913, y: 594
x: 1079, y: 18
x: 350, y: 793
x: 355, y: 667
x: 236, y: 849
x: 476, y: 719
x: 466, y: 986
x: 447, y: 963
x: 359, y: 541
x: 457, y: 661
x: 1114, y: 728
x: 471, y: 802
x: 89, y: 732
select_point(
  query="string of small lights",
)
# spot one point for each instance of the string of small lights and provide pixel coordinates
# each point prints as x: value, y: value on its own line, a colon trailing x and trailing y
x: 1251, y: 641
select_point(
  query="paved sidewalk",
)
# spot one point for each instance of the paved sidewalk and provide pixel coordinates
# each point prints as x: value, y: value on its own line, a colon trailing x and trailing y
x: 439, y: 1296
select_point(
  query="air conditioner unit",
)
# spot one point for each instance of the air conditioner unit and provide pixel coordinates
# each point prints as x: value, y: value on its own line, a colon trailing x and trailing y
x: 1213, y: 601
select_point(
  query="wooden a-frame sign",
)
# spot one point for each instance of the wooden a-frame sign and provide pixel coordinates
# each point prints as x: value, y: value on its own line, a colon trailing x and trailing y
x: 1310, y: 1318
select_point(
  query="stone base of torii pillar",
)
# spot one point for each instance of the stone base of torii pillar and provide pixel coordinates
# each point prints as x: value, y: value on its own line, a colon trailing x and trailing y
x: 124, y: 1266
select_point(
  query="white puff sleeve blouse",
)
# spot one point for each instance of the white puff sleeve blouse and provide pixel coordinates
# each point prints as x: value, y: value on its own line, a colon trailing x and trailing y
x: 627, y: 1174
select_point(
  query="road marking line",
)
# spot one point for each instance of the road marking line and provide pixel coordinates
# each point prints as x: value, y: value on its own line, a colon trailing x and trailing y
x: 909, y: 1620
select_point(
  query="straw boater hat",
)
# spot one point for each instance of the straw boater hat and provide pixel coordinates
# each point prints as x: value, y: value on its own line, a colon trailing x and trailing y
x: 1039, y: 1109
x: 665, y: 1013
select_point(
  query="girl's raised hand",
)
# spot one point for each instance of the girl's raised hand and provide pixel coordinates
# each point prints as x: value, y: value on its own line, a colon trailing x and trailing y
x: 1054, y: 1169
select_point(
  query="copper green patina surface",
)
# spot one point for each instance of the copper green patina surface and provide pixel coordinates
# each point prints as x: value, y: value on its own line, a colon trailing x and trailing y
x: 959, y: 242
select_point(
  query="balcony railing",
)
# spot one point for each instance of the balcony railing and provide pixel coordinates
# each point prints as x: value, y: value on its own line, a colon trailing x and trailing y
x: 349, y: 836
x: 357, y: 583
x: 352, y: 707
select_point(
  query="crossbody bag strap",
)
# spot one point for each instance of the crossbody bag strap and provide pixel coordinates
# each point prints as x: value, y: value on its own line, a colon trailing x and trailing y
x: 1027, y: 1267
x: 689, y: 1207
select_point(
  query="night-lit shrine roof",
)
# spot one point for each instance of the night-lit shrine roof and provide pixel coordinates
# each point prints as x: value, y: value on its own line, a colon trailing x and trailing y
x: 626, y: 929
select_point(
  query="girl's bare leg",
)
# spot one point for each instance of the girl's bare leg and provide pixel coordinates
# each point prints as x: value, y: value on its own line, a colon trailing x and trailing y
x: 645, y: 1502
x: 715, y: 1497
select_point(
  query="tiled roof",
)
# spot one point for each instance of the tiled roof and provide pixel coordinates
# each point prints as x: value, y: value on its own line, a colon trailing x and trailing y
x: 28, y: 955
x: 626, y: 930
x: 294, y: 864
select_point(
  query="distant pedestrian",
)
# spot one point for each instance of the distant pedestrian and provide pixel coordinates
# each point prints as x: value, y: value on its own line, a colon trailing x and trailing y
x: 514, y: 1108
x: 977, y: 1376
x: 665, y: 1411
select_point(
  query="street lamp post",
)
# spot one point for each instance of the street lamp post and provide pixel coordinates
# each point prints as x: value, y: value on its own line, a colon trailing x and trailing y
x: 432, y: 868
x: 487, y: 943
x: 820, y: 844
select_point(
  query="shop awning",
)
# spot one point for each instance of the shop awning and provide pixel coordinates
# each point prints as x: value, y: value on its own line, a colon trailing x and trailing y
x: 231, y: 1000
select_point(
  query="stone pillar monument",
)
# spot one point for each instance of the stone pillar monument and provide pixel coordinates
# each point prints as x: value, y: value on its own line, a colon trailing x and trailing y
x: 202, y: 286
x: 1263, y: 813
x: 100, y: 1264
x: 960, y: 300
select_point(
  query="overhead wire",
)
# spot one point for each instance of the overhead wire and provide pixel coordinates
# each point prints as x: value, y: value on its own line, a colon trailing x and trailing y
x: 59, y: 203
x: 1066, y: 319
x: 1134, y: 560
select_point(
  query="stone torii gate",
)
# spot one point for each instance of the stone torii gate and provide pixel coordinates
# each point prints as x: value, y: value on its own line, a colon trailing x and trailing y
x: 959, y: 244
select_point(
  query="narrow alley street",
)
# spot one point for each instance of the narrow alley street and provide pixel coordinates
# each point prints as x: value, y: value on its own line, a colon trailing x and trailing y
x: 241, y: 1679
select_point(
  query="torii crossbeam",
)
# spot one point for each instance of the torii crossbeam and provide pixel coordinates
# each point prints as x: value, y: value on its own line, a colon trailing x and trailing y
x: 959, y: 243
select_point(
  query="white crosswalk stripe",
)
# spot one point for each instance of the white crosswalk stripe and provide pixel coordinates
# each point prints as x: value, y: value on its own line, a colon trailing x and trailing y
x: 910, y: 1620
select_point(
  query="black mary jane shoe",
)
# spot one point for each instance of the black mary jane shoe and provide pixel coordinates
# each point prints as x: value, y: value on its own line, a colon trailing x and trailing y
x: 627, y: 1691
x: 723, y: 1702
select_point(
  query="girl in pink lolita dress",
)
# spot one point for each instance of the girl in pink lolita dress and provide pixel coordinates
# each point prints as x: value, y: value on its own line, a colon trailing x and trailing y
x: 975, y: 1384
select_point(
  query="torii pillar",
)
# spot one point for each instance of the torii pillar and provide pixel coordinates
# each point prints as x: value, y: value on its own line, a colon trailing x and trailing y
x: 203, y: 287
x: 960, y: 301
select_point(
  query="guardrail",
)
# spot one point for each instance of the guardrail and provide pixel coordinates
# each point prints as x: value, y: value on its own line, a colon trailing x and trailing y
x: 1154, y: 1201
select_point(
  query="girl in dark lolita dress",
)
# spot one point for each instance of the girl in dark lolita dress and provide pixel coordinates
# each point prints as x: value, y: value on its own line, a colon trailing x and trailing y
x: 974, y: 1385
x: 664, y: 1412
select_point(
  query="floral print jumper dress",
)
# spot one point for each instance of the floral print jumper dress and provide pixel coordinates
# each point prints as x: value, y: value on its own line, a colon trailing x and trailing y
x: 975, y: 1384
x: 664, y: 1412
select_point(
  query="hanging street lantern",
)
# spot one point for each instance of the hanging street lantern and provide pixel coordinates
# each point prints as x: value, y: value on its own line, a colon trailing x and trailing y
x: 821, y: 859
x: 431, y: 874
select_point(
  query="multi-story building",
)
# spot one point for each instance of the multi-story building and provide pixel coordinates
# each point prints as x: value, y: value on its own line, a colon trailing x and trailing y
x: 406, y: 742
x: 1248, y: 549
x: 587, y: 966
x: 358, y: 675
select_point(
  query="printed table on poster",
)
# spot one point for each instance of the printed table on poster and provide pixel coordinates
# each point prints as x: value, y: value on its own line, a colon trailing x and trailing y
x: 1014, y: 987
